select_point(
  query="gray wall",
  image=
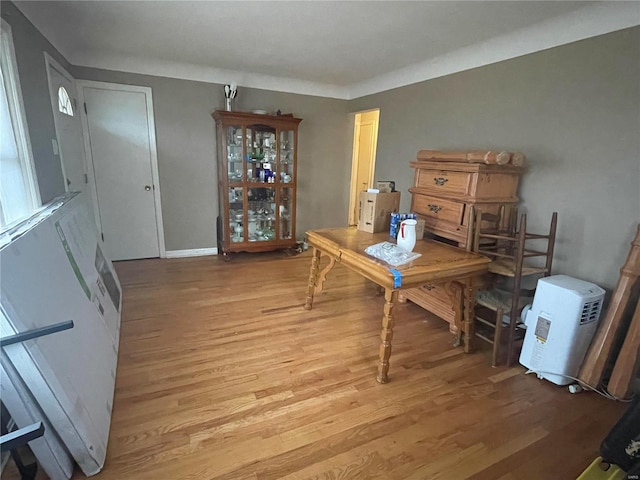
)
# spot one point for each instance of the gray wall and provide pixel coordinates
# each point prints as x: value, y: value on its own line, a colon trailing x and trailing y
x: 187, y: 159
x: 573, y: 110
x: 30, y: 46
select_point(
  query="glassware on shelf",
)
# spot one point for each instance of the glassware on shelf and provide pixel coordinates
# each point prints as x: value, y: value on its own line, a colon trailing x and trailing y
x: 287, y: 143
x: 238, y: 233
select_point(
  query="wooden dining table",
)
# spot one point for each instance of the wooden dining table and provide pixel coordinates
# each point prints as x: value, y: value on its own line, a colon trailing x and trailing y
x: 458, y: 270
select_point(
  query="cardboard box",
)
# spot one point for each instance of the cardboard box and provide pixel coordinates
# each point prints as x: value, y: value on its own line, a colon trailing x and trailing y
x: 420, y: 229
x: 58, y: 272
x: 375, y: 209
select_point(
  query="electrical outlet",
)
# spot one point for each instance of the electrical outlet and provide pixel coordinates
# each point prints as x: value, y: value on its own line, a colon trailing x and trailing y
x: 54, y: 144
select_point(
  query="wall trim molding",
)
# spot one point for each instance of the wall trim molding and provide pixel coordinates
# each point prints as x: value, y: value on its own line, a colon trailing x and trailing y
x: 191, y: 252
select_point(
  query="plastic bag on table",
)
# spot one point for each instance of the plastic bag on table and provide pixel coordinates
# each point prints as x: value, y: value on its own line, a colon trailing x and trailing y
x: 391, y: 253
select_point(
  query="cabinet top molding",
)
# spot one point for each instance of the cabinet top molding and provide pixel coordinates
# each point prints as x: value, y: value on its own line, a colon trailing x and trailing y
x: 248, y: 117
x: 464, y: 166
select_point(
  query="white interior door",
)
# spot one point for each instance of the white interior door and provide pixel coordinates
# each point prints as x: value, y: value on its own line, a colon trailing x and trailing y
x: 122, y: 150
x: 68, y: 127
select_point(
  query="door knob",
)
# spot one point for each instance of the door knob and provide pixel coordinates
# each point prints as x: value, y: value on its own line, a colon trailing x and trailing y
x: 147, y: 187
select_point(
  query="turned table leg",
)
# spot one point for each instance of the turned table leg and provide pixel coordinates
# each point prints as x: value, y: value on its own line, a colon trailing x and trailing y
x: 313, y: 276
x: 386, y: 335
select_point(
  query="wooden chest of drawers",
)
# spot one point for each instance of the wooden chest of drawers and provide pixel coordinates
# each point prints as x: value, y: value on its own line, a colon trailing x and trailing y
x: 444, y: 191
x: 442, y: 194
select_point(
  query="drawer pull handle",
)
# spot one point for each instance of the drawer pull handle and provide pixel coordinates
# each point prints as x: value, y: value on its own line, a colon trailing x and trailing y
x: 440, y: 180
x: 435, y: 208
x: 428, y: 287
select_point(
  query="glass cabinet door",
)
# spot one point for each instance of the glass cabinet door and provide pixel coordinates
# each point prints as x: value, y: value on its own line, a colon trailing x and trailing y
x: 287, y: 147
x: 261, y: 154
x: 285, y: 214
x: 261, y: 214
x: 235, y: 169
x: 236, y: 214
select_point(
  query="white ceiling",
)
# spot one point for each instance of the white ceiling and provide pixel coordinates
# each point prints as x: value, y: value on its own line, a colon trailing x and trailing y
x: 343, y: 49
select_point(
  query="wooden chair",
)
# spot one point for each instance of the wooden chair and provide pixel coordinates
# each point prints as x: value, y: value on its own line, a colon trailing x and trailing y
x: 510, y: 248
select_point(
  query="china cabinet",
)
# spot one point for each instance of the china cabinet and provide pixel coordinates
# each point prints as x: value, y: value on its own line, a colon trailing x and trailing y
x: 257, y: 177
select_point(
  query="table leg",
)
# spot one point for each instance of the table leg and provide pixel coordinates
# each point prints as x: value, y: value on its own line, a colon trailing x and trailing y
x: 313, y: 276
x: 469, y: 315
x: 455, y: 291
x: 386, y: 335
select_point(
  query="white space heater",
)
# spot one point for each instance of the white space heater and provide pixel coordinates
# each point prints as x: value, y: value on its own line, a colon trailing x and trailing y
x: 560, y: 325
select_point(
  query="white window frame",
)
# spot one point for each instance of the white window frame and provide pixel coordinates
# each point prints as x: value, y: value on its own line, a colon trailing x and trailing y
x: 19, y: 120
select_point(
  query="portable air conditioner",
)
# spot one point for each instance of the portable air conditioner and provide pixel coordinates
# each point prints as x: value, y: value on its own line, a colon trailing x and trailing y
x: 560, y: 325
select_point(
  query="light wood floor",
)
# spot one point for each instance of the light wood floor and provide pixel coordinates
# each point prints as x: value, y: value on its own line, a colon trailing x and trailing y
x: 222, y: 374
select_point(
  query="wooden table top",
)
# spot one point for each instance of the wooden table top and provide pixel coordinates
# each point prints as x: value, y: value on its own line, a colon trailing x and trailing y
x: 438, y: 262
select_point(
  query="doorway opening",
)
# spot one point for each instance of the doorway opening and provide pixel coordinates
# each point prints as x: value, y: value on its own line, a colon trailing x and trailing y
x: 365, y: 141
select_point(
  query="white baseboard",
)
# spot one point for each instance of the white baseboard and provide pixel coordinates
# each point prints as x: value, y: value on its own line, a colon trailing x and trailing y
x: 193, y: 252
